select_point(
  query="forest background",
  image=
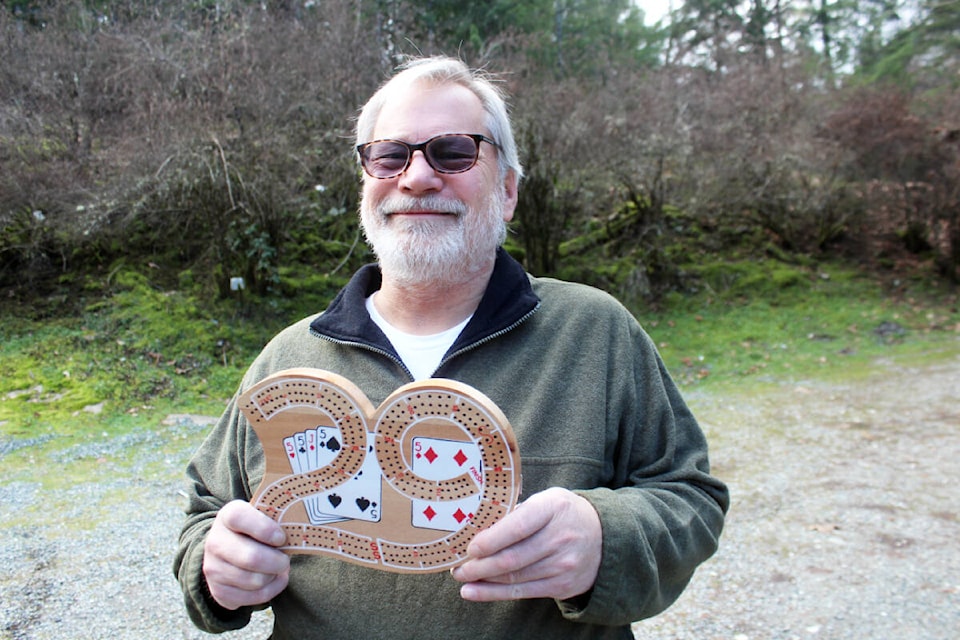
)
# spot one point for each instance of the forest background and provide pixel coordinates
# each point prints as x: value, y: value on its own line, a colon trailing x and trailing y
x: 766, y: 182
x: 771, y: 186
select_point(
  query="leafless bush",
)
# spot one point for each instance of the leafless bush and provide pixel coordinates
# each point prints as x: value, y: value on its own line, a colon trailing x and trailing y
x: 729, y: 150
x: 208, y: 135
x: 556, y: 135
x: 909, y: 169
x: 756, y: 160
x: 126, y: 132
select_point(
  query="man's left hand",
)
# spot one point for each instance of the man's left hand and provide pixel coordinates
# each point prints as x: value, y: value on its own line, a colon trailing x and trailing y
x: 548, y: 547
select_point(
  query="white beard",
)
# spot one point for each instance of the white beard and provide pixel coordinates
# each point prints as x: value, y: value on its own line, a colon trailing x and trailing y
x: 446, y: 250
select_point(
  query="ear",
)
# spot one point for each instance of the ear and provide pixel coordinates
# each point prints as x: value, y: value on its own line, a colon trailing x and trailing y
x: 510, y: 195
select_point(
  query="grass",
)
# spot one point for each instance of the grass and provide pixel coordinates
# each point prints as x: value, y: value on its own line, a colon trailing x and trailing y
x: 824, y: 322
x: 139, y: 349
x: 140, y: 353
x: 87, y: 394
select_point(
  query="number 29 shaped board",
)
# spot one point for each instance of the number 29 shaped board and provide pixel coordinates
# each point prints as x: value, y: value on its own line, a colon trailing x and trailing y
x: 403, y: 488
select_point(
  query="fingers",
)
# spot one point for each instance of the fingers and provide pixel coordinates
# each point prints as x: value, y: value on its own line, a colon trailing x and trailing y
x: 550, y: 546
x: 519, y: 525
x: 561, y: 574
x: 542, y: 579
x: 241, y: 565
x: 508, y: 555
x: 233, y: 597
x: 243, y: 518
x: 493, y: 592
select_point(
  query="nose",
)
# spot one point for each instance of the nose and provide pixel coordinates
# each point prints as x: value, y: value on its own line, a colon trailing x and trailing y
x: 419, y: 177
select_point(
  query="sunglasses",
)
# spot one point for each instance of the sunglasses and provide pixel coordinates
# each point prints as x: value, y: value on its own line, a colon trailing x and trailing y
x: 448, y: 153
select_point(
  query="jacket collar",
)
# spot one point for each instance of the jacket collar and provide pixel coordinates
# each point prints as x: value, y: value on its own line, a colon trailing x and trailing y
x: 508, y: 300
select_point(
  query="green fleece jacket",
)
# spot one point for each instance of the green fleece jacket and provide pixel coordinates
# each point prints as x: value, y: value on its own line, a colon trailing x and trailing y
x: 594, y: 411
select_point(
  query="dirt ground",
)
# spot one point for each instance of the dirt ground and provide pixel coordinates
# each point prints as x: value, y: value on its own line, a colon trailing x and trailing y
x: 844, y: 524
x: 845, y: 520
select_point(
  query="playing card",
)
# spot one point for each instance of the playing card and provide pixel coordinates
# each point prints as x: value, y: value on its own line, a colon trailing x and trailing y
x: 300, y: 442
x: 438, y: 459
x: 311, y: 440
x: 290, y: 446
x: 323, y: 444
x: 315, y: 512
x: 358, y: 498
x: 329, y: 443
x: 444, y: 515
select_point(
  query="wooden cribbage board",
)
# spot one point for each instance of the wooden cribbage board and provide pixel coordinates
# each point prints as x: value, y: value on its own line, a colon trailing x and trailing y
x: 364, y: 492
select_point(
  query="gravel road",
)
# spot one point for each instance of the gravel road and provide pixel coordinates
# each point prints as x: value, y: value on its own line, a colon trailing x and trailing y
x: 845, y: 515
x: 844, y: 524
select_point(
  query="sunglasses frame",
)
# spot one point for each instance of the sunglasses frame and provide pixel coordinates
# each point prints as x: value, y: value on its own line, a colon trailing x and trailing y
x: 422, y: 147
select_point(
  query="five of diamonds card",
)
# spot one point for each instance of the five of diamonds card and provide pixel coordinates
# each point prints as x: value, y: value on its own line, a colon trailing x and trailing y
x: 403, y: 487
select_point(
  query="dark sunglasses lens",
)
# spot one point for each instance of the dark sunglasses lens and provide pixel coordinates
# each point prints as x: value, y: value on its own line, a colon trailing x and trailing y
x: 385, y: 159
x: 452, y: 154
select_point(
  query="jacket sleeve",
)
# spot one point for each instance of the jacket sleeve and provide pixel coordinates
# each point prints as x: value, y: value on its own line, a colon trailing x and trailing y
x: 663, y: 513
x: 227, y: 466
x: 215, y: 476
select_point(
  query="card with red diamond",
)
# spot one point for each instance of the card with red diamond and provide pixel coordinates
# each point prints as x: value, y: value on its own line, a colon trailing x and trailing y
x: 439, y: 459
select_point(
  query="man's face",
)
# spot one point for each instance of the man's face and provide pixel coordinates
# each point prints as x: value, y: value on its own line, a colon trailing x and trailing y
x: 427, y: 226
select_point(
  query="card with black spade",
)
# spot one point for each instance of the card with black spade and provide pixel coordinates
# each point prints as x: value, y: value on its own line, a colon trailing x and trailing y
x: 358, y: 498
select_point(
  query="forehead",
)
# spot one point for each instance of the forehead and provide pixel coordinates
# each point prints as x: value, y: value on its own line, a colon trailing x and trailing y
x: 420, y: 111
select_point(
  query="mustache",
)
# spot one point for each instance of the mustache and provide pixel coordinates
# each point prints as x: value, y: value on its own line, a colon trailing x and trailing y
x: 406, y: 204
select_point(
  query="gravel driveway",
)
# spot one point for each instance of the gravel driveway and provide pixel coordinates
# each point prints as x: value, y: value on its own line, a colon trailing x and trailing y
x: 845, y: 516
x: 845, y: 522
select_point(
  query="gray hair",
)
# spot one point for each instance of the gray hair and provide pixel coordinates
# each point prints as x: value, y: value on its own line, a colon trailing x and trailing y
x: 439, y: 71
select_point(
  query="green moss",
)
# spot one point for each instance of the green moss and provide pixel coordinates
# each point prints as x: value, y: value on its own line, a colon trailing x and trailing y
x: 142, y: 351
x: 796, y: 324
x: 756, y: 279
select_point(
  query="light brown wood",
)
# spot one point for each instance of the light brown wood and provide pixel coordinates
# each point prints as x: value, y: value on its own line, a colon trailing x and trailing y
x: 403, y: 487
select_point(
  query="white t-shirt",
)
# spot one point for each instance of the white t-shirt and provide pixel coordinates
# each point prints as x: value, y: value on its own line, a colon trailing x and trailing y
x: 421, y: 354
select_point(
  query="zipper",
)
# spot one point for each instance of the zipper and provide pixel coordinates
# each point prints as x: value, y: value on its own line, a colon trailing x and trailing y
x: 445, y: 360
x: 486, y: 339
x: 364, y: 345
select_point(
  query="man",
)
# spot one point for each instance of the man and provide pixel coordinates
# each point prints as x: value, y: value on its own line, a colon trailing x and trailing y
x: 618, y: 504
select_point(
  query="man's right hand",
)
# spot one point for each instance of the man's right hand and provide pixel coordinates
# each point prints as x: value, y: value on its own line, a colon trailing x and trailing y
x: 241, y: 562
